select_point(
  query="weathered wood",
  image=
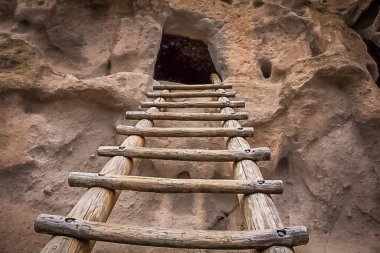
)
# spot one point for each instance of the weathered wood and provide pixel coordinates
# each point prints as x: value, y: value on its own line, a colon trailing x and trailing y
x: 194, y: 104
x: 259, y: 209
x: 185, y: 116
x: 191, y: 86
x: 97, y: 203
x: 185, y: 132
x: 254, y: 154
x: 170, y: 185
x: 159, y: 237
x: 193, y: 94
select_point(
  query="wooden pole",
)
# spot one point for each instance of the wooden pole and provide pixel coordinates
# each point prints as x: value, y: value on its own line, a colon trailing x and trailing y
x: 158, y: 237
x: 185, y: 132
x: 259, y: 209
x: 193, y: 104
x: 97, y: 203
x: 170, y: 185
x: 254, y: 154
x: 190, y: 87
x: 185, y: 116
x: 189, y: 94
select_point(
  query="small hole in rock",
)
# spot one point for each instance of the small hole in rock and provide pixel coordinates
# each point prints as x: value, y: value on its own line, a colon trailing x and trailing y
x: 108, y: 68
x: 315, y: 47
x: 24, y: 23
x: 184, y: 175
x: 295, y: 138
x: 39, y: 3
x: 258, y: 3
x: 266, y: 68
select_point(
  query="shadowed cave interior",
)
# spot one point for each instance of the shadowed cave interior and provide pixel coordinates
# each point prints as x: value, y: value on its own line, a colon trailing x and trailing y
x: 365, y: 20
x: 183, y: 60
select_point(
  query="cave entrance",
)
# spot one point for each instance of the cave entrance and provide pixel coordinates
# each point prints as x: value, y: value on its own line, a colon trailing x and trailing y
x: 183, y: 60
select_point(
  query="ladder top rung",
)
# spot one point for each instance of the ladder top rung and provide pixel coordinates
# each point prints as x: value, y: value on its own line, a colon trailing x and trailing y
x: 186, y: 116
x: 254, y: 154
x: 174, y: 185
x: 185, y: 132
x: 191, y: 94
x: 174, y: 238
x: 191, y: 86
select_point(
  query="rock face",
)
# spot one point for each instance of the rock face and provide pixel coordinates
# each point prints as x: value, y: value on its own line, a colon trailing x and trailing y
x: 70, y: 69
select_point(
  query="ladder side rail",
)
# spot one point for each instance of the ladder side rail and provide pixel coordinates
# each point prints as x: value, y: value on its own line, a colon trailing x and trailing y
x: 259, y: 209
x: 97, y: 203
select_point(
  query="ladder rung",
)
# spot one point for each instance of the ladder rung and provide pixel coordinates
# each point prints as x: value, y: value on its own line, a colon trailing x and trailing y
x: 254, y: 154
x: 170, y: 185
x: 158, y: 237
x: 191, y: 94
x: 193, y: 104
x: 185, y: 132
x: 186, y: 116
x: 191, y: 86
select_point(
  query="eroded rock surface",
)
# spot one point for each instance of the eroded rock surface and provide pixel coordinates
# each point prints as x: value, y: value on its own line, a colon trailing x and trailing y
x: 70, y: 69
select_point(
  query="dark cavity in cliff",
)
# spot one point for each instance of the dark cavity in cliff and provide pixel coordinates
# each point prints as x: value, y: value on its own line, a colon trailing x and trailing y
x: 365, y: 20
x: 183, y: 60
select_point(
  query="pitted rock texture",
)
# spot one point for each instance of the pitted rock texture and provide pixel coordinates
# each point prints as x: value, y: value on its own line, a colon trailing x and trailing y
x: 70, y: 69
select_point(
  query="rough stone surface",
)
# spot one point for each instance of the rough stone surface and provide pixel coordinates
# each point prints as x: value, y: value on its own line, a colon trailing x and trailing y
x: 70, y: 69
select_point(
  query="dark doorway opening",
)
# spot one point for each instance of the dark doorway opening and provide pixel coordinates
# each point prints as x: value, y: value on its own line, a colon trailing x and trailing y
x: 366, y: 19
x: 374, y: 51
x: 183, y: 60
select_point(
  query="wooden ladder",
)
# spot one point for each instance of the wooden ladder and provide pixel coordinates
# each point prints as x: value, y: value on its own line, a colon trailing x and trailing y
x: 86, y: 223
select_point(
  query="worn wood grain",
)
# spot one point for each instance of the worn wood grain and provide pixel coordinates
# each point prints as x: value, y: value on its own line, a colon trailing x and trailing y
x: 194, y: 104
x: 191, y: 94
x: 254, y: 154
x: 185, y: 116
x: 97, y: 203
x: 259, y: 209
x: 174, y: 238
x: 190, y: 87
x: 173, y: 185
x: 184, y: 132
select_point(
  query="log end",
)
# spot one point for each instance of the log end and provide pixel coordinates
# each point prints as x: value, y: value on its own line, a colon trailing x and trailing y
x: 264, y: 152
x: 299, y: 234
x: 44, y: 221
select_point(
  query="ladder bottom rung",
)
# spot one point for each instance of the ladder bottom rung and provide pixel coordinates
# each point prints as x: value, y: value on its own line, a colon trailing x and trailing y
x: 158, y: 237
x: 185, y: 132
x: 171, y: 185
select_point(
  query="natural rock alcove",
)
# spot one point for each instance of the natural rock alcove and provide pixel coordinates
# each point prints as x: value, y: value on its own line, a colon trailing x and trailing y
x: 374, y: 51
x: 184, y: 60
x: 366, y: 27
